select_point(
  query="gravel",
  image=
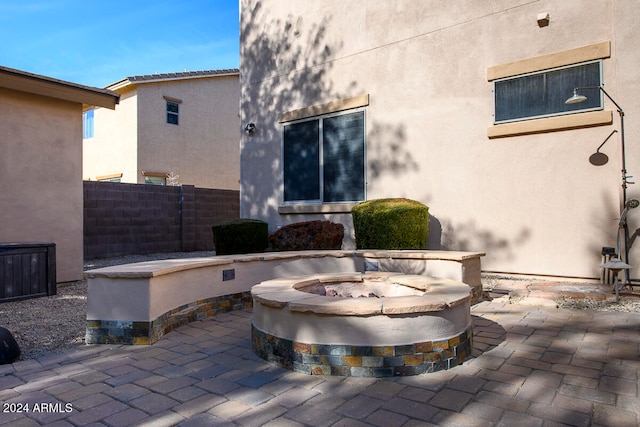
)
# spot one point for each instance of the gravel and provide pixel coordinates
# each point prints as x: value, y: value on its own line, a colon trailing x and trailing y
x: 49, y: 324
x: 626, y: 304
x: 46, y: 325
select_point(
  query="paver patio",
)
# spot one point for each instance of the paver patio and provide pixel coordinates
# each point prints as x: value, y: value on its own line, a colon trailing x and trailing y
x: 532, y: 366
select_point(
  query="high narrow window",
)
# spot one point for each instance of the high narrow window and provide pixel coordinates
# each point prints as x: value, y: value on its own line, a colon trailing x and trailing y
x: 542, y: 94
x: 324, y: 158
x: 87, y: 124
x: 173, y: 112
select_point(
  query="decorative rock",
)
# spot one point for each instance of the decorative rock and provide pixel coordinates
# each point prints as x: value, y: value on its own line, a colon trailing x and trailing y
x: 9, y: 349
x: 309, y: 235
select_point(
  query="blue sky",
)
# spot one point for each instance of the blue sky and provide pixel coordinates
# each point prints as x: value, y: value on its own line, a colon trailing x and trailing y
x: 97, y: 43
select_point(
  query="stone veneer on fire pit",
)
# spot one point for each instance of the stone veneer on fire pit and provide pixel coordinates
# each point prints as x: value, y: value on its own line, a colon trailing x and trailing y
x: 371, y: 324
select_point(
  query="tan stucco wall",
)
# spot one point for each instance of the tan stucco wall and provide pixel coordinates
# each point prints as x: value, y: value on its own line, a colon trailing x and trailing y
x: 112, y: 150
x: 41, y: 176
x: 203, y: 150
x: 533, y: 202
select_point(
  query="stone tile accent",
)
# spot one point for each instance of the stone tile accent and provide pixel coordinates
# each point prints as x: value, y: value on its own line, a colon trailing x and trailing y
x: 146, y: 333
x: 362, y: 361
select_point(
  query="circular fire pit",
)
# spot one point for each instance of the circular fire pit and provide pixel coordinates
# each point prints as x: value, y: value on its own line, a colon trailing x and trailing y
x: 365, y: 325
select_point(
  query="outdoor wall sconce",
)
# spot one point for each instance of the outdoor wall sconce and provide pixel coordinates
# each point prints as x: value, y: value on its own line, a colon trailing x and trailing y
x: 599, y: 159
x: 250, y: 127
x: 543, y: 19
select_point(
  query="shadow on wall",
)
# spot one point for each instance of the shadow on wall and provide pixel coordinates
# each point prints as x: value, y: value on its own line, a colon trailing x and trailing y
x: 604, y: 232
x: 278, y: 74
x: 387, y: 151
x: 470, y: 237
x: 434, y: 238
x: 286, y: 65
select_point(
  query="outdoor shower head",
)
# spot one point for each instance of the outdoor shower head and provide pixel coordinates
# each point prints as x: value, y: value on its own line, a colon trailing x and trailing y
x: 576, y: 98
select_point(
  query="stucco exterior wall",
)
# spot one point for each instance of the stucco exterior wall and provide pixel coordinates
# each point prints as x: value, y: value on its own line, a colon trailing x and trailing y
x: 203, y: 149
x: 533, y: 202
x: 41, y: 176
x: 113, y: 148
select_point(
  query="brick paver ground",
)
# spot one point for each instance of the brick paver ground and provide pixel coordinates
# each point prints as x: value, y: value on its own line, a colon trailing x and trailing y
x: 531, y: 366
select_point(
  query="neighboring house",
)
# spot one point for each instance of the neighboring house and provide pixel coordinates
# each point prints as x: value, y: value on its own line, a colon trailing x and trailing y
x: 41, y: 163
x: 459, y: 105
x: 177, y: 128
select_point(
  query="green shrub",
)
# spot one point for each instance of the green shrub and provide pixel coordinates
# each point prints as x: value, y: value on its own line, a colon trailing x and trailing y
x: 240, y: 236
x: 391, y: 224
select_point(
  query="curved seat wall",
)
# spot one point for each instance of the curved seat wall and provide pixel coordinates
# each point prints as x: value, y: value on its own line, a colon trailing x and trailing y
x: 139, y: 303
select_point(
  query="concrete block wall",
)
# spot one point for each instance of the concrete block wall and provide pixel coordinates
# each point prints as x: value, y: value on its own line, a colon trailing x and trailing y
x: 124, y: 219
x: 212, y: 207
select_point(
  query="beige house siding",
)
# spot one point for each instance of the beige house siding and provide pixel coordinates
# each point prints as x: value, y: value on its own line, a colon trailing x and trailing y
x: 203, y: 149
x: 40, y: 179
x: 41, y: 165
x: 529, y: 198
x: 112, y: 150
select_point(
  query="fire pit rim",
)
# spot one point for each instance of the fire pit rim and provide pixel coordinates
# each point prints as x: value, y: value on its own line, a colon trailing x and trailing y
x: 439, y: 294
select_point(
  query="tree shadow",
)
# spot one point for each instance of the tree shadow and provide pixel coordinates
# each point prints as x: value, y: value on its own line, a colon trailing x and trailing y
x: 603, y: 233
x: 487, y: 335
x: 387, y: 151
x: 468, y: 236
x: 287, y: 64
x: 529, y: 365
x: 280, y: 73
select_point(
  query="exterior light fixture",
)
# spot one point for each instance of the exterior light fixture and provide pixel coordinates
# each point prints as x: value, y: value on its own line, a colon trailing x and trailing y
x: 543, y: 19
x: 250, y: 127
x: 576, y: 98
x: 615, y: 265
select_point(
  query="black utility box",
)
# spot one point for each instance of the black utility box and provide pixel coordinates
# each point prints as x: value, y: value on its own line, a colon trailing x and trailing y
x: 27, y: 270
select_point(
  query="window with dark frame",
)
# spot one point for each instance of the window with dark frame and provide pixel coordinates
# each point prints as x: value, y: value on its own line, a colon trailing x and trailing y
x: 173, y: 111
x: 324, y: 159
x: 542, y: 94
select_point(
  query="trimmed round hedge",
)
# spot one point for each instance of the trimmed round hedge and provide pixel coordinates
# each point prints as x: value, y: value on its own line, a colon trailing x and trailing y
x: 391, y: 224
